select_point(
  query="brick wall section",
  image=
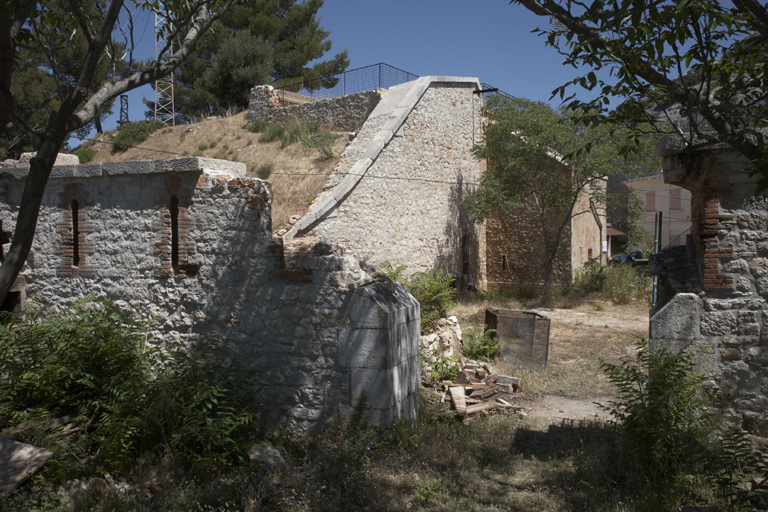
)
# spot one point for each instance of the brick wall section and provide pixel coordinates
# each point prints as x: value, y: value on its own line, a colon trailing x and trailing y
x: 346, y: 113
x: 163, y: 247
x: 728, y: 322
x: 326, y: 332
x: 518, y: 238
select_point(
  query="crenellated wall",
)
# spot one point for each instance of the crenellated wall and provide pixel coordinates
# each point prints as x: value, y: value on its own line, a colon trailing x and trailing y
x: 188, y: 241
x: 345, y: 113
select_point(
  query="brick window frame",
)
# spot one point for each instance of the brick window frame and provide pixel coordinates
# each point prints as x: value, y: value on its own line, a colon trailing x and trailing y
x: 73, y: 228
x: 173, y: 249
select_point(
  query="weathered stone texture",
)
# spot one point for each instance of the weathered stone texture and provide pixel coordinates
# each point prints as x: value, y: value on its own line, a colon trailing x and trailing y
x: 406, y: 208
x: 516, y: 251
x: 730, y: 250
x: 324, y: 340
x: 345, y: 113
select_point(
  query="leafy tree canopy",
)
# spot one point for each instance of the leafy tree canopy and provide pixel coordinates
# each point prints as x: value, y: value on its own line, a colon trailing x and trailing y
x: 705, y: 58
x: 546, y: 162
x: 36, y: 89
x: 256, y: 42
x: 40, y: 40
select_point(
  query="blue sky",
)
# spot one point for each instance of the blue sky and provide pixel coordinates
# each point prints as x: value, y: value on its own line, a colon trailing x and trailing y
x: 487, y: 39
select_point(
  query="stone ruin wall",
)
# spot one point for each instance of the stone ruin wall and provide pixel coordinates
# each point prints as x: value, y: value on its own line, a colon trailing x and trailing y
x: 715, y: 290
x: 516, y: 252
x: 327, y: 333
x: 406, y: 207
x: 345, y: 113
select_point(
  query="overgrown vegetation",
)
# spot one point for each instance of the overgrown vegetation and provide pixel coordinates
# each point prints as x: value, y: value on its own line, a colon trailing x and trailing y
x: 480, y: 344
x: 433, y: 290
x: 257, y: 125
x: 665, y: 413
x: 131, y: 134
x: 621, y: 284
x: 264, y: 171
x: 272, y: 132
x: 90, y: 368
x: 85, y: 155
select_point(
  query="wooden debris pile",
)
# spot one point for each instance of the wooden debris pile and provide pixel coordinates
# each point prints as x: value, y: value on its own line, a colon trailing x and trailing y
x: 477, y: 389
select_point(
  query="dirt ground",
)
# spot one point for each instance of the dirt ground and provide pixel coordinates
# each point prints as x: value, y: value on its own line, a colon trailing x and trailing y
x: 572, y: 385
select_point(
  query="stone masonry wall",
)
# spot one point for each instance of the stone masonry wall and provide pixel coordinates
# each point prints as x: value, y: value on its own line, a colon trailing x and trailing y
x: 413, y: 164
x: 516, y: 252
x: 326, y: 332
x: 345, y: 113
x: 727, y: 315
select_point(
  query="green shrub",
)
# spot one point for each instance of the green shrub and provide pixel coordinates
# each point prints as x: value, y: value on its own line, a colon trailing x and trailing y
x: 665, y: 413
x: 202, y: 146
x: 85, y: 155
x: 480, y: 344
x: 264, y: 171
x: 322, y: 142
x: 439, y: 366
x: 256, y: 126
x: 202, y: 405
x: 90, y: 363
x: 212, y: 144
x: 297, y: 131
x: 620, y: 284
x: 433, y: 290
x: 272, y: 132
x: 87, y: 362
x: 131, y: 134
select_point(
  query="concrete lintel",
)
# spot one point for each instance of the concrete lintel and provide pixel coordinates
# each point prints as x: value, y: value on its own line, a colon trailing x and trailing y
x: 384, y: 135
x: 132, y: 167
x: 373, y: 149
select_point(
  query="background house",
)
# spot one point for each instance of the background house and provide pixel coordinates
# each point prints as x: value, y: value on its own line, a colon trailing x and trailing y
x: 673, y: 201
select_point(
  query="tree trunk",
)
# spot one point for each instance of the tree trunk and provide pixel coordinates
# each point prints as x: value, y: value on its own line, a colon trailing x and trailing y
x: 39, y: 171
x: 97, y: 123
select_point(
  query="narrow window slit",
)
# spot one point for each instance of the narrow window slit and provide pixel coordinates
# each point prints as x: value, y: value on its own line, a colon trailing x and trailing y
x: 175, y: 232
x: 75, y: 233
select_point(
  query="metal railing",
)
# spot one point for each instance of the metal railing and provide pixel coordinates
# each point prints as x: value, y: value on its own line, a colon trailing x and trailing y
x: 493, y: 91
x: 371, y: 77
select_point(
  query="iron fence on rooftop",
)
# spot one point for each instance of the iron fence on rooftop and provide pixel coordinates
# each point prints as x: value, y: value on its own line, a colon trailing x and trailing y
x: 367, y: 78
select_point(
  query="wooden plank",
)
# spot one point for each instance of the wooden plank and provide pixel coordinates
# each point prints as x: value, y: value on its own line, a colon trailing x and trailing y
x: 472, y: 409
x: 459, y: 402
x: 490, y: 391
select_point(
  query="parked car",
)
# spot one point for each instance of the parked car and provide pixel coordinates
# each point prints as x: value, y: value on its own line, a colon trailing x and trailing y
x: 627, y: 259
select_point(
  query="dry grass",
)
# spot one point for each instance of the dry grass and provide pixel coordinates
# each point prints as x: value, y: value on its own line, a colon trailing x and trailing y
x: 298, y: 174
x: 578, y: 337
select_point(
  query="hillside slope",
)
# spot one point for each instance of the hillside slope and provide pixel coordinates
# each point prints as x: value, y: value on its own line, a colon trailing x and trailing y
x: 298, y: 173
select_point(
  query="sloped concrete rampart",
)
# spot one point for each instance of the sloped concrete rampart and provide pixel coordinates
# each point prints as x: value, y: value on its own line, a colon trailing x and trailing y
x: 321, y: 330
x: 396, y: 194
x: 345, y: 113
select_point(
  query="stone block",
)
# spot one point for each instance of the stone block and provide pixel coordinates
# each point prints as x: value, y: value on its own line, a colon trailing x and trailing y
x: 718, y: 324
x: 375, y: 384
x: 678, y: 319
x: 130, y: 167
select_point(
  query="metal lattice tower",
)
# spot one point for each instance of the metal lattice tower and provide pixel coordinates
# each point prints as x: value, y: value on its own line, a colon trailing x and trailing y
x: 164, y: 107
x: 123, y: 109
